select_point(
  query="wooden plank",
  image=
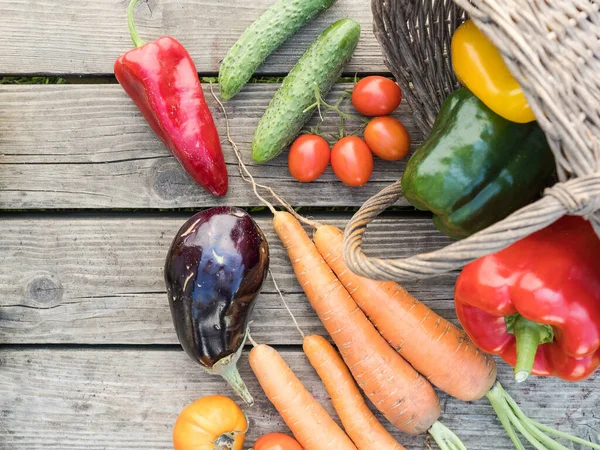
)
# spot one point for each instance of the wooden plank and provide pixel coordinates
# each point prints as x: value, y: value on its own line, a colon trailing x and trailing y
x: 85, y: 37
x: 100, y: 281
x: 87, y: 146
x: 129, y: 399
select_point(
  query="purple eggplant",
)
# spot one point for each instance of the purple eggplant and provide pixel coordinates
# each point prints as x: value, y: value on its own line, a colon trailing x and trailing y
x: 214, y: 271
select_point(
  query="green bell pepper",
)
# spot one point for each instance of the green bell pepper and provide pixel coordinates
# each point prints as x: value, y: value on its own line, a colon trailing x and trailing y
x: 476, y: 168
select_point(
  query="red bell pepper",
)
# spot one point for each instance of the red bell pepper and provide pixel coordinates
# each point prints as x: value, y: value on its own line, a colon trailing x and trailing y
x: 537, y: 302
x: 161, y: 78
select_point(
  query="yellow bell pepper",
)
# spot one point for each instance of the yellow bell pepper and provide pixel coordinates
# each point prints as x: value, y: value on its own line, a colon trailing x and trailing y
x: 480, y: 68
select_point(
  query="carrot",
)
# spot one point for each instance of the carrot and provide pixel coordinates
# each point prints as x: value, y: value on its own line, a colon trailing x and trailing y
x: 396, y: 389
x: 436, y: 348
x: 358, y: 420
x: 307, y: 419
x: 362, y: 426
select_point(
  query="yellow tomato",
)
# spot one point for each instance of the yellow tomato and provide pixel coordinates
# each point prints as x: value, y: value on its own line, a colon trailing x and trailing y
x: 481, y: 69
x: 210, y: 423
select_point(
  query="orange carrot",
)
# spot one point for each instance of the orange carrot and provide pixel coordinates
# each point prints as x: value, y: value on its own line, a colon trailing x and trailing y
x: 396, y: 389
x: 358, y: 420
x: 440, y: 351
x: 307, y: 419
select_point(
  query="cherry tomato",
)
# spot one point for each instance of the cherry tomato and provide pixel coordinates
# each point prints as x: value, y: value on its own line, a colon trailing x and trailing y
x: 376, y: 96
x: 308, y: 157
x: 387, y: 138
x: 276, y: 441
x: 352, y: 161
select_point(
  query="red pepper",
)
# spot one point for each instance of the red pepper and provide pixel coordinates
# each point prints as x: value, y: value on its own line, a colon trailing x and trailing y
x: 537, y: 302
x: 161, y: 78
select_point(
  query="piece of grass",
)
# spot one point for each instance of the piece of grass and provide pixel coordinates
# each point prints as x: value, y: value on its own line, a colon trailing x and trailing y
x: 32, y: 80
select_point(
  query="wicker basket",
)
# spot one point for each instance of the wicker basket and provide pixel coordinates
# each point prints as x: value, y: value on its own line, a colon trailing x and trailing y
x: 552, y: 47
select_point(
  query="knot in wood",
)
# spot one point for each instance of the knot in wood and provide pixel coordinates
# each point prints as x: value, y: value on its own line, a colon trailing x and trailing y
x: 44, y: 288
x: 170, y: 182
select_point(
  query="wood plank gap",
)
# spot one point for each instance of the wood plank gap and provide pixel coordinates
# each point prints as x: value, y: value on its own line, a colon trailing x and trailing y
x: 123, y: 214
x: 205, y: 77
x: 129, y: 347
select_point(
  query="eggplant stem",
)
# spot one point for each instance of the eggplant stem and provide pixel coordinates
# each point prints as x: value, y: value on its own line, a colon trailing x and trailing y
x: 445, y: 437
x: 230, y: 373
x: 227, y: 368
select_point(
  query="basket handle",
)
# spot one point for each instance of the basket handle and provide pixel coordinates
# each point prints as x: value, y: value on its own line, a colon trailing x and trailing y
x: 579, y: 196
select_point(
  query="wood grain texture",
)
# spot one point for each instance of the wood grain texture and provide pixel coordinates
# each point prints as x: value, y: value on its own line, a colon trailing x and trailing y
x: 85, y: 37
x: 87, y: 146
x: 97, y: 279
x: 100, y: 281
x: 129, y: 399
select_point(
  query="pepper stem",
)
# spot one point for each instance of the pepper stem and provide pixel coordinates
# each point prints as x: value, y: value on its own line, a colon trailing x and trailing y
x: 135, y: 37
x: 529, y: 336
x: 514, y: 420
x: 445, y: 438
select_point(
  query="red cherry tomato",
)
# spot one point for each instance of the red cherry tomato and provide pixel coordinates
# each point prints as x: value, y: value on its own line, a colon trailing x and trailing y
x: 387, y: 138
x: 276, y: 441
x: 308, y: 157
x: 352, y: 161
x: 376, y: 96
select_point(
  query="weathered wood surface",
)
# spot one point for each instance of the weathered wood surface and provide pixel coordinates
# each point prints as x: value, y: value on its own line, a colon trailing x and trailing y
x: 97, y: 279
x: 87, y: 146
x: 100, y: 280
x: 85, y: 37
x: 109, y: 399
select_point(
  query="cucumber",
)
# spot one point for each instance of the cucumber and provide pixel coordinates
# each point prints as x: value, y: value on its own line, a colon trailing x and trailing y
x: 322, y: 64
x: 275, y: 26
